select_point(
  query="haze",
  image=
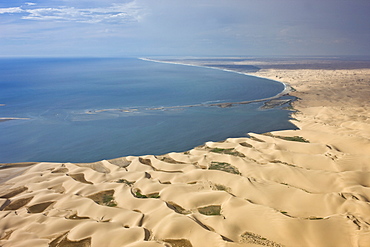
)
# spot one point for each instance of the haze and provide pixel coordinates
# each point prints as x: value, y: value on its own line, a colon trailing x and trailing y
x: 184, y: 28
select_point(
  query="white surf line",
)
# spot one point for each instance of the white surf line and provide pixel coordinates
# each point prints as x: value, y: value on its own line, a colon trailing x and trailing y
x: 286, y: 90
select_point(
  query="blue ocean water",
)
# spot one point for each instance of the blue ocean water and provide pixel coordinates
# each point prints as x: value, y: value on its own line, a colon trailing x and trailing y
x: 84, y: 110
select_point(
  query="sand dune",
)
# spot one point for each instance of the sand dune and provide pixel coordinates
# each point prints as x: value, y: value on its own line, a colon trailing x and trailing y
x: 306, y: 187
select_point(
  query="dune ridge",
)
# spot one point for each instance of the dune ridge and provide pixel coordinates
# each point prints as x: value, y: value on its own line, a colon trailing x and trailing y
x: 305, y: 187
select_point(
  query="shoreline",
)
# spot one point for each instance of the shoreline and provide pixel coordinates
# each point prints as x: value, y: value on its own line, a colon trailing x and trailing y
x: 287, y: 88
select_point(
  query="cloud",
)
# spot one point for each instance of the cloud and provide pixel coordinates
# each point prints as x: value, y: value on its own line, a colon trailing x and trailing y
x: 116, y: 13
x: 30, y: 4
x: 183, y: 27
x: 11, y: 10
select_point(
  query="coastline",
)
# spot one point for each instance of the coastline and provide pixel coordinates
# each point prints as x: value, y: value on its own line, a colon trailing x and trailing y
x: 305, y: 187
x: 287, y: 88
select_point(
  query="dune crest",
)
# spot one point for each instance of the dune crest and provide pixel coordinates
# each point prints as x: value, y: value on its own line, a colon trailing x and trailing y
x: 306, y: 187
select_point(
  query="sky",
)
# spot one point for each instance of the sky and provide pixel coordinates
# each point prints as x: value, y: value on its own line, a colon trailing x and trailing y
x: 125, y: 28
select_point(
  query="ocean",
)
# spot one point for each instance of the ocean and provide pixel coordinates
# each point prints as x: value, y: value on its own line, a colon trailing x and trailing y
x: 89, y: 109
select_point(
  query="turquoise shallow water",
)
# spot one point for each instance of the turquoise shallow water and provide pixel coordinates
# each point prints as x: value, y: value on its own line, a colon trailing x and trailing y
x: 84, y: 110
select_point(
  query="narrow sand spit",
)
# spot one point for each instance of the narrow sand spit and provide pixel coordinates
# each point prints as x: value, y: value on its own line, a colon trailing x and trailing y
x: 307, y: 187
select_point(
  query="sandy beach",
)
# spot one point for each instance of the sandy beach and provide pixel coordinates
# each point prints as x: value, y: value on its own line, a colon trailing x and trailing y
x: 305, y: 187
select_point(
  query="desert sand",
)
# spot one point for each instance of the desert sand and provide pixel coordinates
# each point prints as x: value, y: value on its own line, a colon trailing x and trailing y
x: 305, y: 187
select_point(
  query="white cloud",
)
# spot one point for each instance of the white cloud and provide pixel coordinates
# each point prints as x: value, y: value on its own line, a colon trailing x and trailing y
x: 116, y: 13
x: 11, y: 10
x: 30, y: 4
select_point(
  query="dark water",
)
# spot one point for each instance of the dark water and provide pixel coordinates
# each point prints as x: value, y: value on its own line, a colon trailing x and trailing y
x: 84, y: 110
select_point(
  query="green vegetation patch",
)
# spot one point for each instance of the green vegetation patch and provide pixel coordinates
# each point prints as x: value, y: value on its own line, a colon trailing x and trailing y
x: 139, y: 195
x: 124, y: 181
x: 210, y: 210
x: 288, y: 138
x: 218, y: 150
x: 285, y: 213
x: 229, y: 151
x: 108, y: 200
x: 104, y: 198
x: 315, y: 218
x: 153, y: 195
x: 294, y: 138
x: 225, y: 167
